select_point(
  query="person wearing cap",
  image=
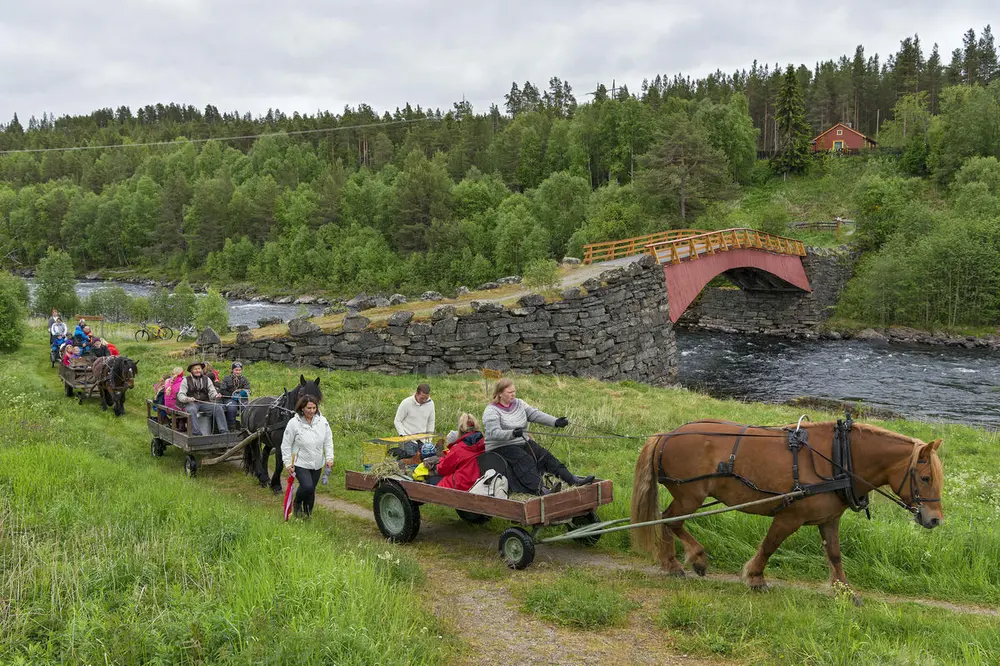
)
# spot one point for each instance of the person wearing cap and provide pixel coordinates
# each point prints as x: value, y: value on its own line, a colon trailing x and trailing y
x: 235, y: 389
x: 415, y: 414
x: 197, y: 395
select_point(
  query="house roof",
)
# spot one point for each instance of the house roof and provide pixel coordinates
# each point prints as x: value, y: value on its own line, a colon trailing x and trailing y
x: 849, y: 129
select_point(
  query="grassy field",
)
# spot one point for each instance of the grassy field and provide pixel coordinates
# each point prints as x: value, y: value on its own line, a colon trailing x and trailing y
x: 108, y: 551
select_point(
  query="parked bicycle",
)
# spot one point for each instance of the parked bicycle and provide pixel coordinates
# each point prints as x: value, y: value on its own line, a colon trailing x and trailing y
x: 153, y: 332
x: 188, y: 332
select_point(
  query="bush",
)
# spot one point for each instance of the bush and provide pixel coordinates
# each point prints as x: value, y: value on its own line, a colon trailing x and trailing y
x: 182, y: 306
x: 112, y: 303
x: 159, y: 304
x: 140, y: 309
x: 541, y: 274
x: 56, y: 284
x: 12, y: 312
x: 212, y: 311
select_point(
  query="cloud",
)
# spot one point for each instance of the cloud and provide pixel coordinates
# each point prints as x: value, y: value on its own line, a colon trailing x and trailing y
x: 63, y: 56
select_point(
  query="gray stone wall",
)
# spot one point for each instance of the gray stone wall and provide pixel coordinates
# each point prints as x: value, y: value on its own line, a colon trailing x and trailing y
x: 614, y: 327
x: 733, y: 310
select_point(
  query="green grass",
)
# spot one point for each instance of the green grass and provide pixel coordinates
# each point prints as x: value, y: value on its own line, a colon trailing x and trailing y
x: 578, y: 599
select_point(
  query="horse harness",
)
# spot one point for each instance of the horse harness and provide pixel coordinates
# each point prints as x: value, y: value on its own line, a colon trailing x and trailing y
x: 110, y: 370
x: 841, y: 482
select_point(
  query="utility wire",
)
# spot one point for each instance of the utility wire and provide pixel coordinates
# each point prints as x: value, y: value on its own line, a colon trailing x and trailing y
x: 175, y: 142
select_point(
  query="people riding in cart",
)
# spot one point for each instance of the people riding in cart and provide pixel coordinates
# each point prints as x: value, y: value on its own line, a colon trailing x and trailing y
x: 57, y: 327
x: 505, y: 422
x: 459, y: 468
x: 235, y: 390
x: 197, y: 395
x: 415, y: 414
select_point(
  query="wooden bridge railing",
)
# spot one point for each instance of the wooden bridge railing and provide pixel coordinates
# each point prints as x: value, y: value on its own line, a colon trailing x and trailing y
x: 629, y: 246
x: 674, y: 251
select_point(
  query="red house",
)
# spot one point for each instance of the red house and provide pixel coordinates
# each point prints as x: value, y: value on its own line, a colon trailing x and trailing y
x: 841, y: 137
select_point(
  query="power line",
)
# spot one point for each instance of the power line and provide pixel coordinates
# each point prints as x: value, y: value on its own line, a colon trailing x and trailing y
x: 176, y: 142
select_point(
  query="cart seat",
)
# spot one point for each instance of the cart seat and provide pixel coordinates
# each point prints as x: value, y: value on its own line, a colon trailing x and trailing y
x: 492, y: 460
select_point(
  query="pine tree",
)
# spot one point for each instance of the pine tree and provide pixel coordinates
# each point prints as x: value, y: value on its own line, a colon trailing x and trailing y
x: 793, y: 130
x: 987, y: 53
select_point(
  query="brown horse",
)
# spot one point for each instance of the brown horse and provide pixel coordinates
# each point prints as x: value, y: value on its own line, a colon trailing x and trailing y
x: 737, y: 464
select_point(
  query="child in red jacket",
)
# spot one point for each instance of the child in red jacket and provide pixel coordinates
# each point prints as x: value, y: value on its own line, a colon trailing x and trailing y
x: 459, y: 468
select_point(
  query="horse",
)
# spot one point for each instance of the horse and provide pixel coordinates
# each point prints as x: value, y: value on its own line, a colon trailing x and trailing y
x: 115, y: 375
x: 271, y: 415
x: 699, y: 460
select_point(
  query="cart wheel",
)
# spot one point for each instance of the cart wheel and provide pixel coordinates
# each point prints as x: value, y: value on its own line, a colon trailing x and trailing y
x: 156, y: 448
x: 398, y: 518
x: 190, y: 466
x: 69, y: 390
x: 517, y: 548
x: 142, y: 335
x: 473, y: 518
x: 583, y: 521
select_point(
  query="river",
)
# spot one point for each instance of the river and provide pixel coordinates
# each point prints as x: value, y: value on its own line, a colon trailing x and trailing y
x: 923, y: 382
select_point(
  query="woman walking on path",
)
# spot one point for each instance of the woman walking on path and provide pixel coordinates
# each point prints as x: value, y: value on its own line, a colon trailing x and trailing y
x: 504, y: 422
x: 308, y: 445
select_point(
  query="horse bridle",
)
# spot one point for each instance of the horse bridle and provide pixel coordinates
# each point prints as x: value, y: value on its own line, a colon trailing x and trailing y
x: 915, y: 499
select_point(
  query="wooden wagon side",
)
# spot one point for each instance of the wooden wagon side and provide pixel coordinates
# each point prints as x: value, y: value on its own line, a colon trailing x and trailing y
x: 78, y: 380
x: 171, y: 427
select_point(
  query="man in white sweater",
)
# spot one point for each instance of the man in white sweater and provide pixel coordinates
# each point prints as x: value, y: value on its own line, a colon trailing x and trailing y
x: 415, y: 415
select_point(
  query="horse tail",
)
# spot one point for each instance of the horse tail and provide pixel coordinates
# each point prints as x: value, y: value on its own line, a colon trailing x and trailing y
x: 646, y: 498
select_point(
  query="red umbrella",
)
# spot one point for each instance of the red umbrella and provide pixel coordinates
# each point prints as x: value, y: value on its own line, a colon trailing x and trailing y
x: 288, y: 490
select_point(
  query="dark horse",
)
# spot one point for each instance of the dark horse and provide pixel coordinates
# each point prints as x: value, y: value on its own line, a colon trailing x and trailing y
x: 736, y: 464
x: 271, y: 415
x: 115, y: 375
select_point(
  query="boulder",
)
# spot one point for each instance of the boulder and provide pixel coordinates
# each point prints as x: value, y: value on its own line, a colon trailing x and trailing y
x: 355, y: 322
x: 268, y: 321
x: 208, y: 337
x: 571, y: 293
x: 380, y: 302
x: 486, y: 286
x: 486, y: 306
x: 462, y: 291
x: 510, y: 279
x: 301, y: 326
x: 335, y: 308
x: 244, y: 338
x: 401, y: 318
x: 360, y: 302
x: 570, y: 261
x: 397, y: 299
x: 284, y: 300
x: 870, y: 334
x: 443, y: 312
x: 305, y: 300
x: 531, y: 300
x: 431, y: 296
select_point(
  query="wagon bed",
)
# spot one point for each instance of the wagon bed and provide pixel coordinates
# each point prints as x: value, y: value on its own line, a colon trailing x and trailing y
x: 78, y: 379
x: 171, y: 427
x: 397, y: 502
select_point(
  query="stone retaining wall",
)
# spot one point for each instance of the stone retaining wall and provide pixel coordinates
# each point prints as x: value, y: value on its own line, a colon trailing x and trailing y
x: 733, y: 310
x: 615, y: 327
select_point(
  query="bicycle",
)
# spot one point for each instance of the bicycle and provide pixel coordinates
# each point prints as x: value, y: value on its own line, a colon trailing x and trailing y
x: 153, y: 332
x: 187, y: 332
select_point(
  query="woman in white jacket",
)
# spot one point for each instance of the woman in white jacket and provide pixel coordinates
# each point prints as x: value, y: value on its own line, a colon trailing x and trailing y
x: 308, y: 445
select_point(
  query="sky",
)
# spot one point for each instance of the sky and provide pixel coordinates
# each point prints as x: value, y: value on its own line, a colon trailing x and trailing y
x: 71, y: 57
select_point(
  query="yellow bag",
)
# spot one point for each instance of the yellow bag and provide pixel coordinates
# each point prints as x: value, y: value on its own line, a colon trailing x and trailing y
x: 421, y: 472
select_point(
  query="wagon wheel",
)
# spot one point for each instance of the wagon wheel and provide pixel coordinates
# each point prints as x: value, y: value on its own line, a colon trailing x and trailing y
x: 517, y: 548
x: 398, y: 518
x: 157, y: 447
x: 190, y: 466
x: 142, y: 335
x: 69, y: 389
x: 473, y: 518
x: 582, y: 521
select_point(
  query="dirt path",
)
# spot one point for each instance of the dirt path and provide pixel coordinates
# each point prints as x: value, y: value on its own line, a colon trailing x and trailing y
x: 561, y: 556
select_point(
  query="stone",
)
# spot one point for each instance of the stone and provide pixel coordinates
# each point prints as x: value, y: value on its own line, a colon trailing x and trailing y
x: 269, y: 321
x: 401, y: 318
x: 431, y: 296
x: 397, y: 299
x: 442, y: 312
x: 571, y: 293
x: 591, y: 284
x: 570, y: 261
x: 208, y: 337
x: 301, y: 326
x: 355, y: 322
x: 360, y: 303
x: 486, y: 286
x: 305, y: 300
x: 335, y: 308
x: 486, y: 306
x: 380, y: 302
x: 870, y: 334
x: 462, y: 291
x: 510, y: 279
x: 531, y: 300
x: 284, y: 300
x: 244, y: 338
x: 242, y: 327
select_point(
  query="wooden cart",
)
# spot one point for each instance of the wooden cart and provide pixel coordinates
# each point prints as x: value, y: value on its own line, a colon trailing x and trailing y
x: 78, y: 378
x: 397, y: 502
x: 170, y: 427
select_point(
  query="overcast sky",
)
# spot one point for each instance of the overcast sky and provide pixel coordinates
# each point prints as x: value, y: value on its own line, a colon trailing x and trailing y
x: 68, y: 56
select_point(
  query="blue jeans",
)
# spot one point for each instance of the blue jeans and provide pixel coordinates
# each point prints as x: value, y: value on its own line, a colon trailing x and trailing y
x: 232, y: 407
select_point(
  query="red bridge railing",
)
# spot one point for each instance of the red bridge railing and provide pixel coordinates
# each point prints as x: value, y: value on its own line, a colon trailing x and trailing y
x: 676, y: 250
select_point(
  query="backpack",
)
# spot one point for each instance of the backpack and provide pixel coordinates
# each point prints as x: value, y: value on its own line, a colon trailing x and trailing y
x: 491, y: 484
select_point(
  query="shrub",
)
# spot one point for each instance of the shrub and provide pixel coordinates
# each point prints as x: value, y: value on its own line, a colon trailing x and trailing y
x: 542, y: 274
x: 140, y: 309
x: 182, y: 305
x: 56, y: 284
x: 212, y: 311
x: 12, y: 312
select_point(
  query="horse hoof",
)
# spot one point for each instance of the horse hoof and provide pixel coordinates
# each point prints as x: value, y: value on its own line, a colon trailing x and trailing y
x: 275, y: 491
x: 700, y: 569
x: 760, y: 586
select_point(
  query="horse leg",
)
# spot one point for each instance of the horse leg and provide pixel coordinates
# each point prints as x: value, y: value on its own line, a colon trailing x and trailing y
x: 782, y: 526
x: 666, y: 555
x: 829, y: 532
x: 104, y: 397
x: 694, y: 552
x: 276, y: 478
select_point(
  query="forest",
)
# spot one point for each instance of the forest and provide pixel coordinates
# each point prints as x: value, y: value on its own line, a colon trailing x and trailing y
x: 423, y: 199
